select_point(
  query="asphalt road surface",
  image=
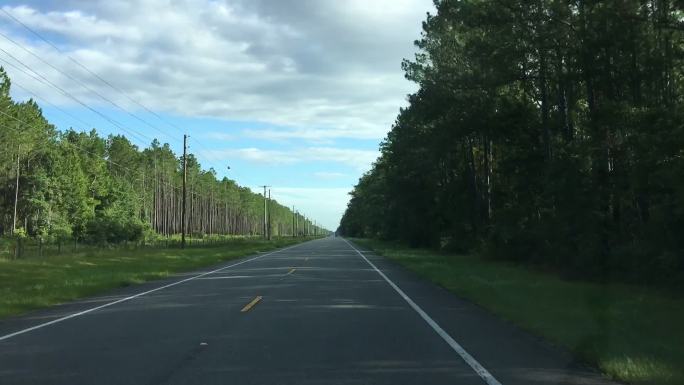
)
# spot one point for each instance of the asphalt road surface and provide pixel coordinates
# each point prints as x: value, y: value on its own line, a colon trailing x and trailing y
x: 321, y: 312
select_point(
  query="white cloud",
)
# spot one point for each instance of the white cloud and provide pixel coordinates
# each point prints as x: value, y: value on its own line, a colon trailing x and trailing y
x: 253, y: 155
x: 67, y: 23
x: 324, y: 68
x: 310, y: 134
x: 359, y: 159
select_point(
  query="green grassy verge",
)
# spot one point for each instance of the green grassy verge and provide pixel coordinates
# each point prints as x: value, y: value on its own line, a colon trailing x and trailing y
x: 28, y: 284
x: 632, y: 333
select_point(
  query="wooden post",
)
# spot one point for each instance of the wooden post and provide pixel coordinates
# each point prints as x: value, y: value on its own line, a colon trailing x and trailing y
x: 185, y: 178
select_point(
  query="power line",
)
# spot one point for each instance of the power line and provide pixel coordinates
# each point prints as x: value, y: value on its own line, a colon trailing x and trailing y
x: 78, y: 63
x: 81, y: 83
x: 209, y: 162
x: 72, y: 97
x: 46, y: 81
x: 37, y: 96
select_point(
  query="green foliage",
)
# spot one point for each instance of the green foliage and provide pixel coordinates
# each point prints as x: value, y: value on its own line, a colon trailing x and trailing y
x: 547, y: 132
x: 20, y: 234
x: 114, y: 225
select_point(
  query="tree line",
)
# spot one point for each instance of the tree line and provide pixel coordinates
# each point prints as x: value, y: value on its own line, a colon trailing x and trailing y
x: 548, y: 132
x: 78, y: 185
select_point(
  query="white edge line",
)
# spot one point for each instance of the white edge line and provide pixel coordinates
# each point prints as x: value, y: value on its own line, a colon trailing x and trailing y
x: 80, y: 313
x: 470, y: 360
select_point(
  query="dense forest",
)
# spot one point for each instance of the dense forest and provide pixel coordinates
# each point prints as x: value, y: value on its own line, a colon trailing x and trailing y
x: 548, y: 132
x: 77, y: 185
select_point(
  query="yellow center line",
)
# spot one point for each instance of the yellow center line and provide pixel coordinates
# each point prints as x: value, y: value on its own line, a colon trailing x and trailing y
x: 251, y: 304
x: 292, y: 270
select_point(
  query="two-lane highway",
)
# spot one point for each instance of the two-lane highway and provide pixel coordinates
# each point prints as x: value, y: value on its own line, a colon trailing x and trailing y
x: 321, y: 312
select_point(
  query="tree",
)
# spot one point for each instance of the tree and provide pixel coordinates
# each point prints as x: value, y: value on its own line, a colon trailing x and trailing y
x: 547, y: 132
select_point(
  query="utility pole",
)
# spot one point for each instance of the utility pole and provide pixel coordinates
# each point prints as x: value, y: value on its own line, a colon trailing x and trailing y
x: 144, y: 207
x: 293, y: 222
x: 185, y: 178
x: 265, y: 211
x: 16, y: 197
x: 226, y: 220
x: 269, y: 214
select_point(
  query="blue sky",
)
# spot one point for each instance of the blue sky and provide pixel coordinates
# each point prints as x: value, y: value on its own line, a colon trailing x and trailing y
x: 296, y: 94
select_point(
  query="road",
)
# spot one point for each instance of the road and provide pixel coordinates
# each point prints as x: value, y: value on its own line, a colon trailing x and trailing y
x: 327, y: 314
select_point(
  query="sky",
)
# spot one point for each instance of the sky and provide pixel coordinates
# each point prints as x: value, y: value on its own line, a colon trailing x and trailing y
x: 296, y: 94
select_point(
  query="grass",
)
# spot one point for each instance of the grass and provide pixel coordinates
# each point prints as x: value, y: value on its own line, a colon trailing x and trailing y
x: 632, y: 333
x: 28, y: 284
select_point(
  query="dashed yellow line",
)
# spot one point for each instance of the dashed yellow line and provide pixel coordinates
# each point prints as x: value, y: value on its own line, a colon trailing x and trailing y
x: 251, y: 304
x: 292, y: 270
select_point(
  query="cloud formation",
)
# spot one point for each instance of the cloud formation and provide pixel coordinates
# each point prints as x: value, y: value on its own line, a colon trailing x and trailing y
x: 326, y: 68
x: 359, y: 159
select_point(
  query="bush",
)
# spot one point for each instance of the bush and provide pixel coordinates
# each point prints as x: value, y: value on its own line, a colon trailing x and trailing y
x: 114, y: 226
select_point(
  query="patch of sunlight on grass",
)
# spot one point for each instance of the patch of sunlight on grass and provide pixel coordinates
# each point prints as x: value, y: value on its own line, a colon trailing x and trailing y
x: 638, y: 370
x: 155, y: 274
